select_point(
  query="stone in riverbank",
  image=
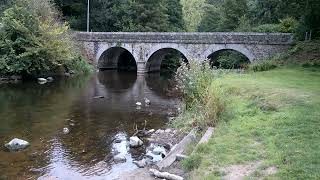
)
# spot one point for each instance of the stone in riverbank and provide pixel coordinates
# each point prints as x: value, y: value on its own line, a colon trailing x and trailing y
x: 17, y: 144
x: 135, y: 142
x: 120, y: 158
x: 65, y: 130
x: 141, y: 164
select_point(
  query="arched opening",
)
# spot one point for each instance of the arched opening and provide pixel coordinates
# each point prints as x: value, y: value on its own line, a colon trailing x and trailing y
x: 228, y: 59
x: 166, y: 61
x: 117, y: 58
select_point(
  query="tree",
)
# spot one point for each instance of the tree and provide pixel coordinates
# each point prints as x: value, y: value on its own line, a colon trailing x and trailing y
x: 211, y: 20
x: 75, y: 12
x: 175, y: 17
x: 223, y: 15
x: 193, y: 11
x: 149, y: 15
x: 33, y: 40
x: 233, y: 10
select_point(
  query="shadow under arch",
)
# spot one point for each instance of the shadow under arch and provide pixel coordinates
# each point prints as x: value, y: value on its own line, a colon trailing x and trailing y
x: 228, y: 59
x: 173, y: 57
x: 117, y: 58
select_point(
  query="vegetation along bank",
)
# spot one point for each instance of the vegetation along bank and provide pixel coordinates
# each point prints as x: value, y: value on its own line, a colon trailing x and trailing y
x: 266, y: 119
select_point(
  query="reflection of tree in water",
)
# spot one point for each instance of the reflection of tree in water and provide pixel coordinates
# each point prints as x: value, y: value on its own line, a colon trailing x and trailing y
x: 35, y: 113
x: 159, y: 84
x: 97, y: 122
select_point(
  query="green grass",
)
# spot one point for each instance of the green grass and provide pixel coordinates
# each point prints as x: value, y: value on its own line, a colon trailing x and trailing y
x: 272, y: 117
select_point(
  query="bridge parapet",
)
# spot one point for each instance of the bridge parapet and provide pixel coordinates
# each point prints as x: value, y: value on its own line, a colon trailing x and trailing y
x: 187, y: 38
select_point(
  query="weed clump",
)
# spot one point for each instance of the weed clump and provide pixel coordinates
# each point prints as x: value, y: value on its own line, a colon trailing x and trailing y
x: 203, y: 98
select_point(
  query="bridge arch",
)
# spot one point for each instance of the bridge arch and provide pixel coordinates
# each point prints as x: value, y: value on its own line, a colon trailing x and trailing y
x: 116, y: 57
x: 235, y: 47
x: 156, y: 54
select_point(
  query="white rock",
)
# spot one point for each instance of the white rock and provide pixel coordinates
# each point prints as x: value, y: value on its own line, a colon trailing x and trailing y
x: 17, y: 144
x: 160, y: 131
x: 167, y: 130
x: 147, y: 101
x: 141, y: 164
x: 135, y: 141
x: 138, y: 103
x: 159, y: 150
x: 65, y: 131
x: 120, y: 158
x: 49, y: 79
x: 150, y: 131
x: 42, y: 80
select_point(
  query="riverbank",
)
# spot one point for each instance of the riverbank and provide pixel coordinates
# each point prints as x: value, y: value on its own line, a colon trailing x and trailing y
x: 270, y: 128
x: 267, y: 123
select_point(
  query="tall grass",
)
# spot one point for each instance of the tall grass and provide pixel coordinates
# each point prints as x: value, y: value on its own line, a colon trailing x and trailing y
x: 204, y: 100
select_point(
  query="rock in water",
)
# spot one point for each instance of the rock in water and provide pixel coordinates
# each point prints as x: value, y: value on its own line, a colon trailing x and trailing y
x: 120, y: 158
x: 138, y: 103
x: 42, y: 80
x: 49, y: 79
x: 98, y: 97
x: 159, y: 150
x: 65, y: 131
x: 147, y: 101
x: 150, y: 132
x: 141, y: 164
x: 17, y: 144
x: 135, y: 142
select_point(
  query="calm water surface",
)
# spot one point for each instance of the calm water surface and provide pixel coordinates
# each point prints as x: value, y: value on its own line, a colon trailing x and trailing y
x: 38, y: 113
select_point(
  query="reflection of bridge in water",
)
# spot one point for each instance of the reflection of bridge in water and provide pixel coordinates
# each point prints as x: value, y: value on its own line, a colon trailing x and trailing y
x: 123, y: 90
x: 98, y: 122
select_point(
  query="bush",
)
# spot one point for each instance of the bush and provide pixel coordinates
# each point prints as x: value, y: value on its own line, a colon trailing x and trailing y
x: 204, y: 100
x: 192, y: 162
x: 229, y: 59
x: 33, y: 41
x: 262, y: 66
x: 267, y: 28
x: 288, y: 25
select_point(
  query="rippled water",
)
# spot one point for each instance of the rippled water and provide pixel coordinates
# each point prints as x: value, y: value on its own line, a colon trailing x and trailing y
x: 38, y: 113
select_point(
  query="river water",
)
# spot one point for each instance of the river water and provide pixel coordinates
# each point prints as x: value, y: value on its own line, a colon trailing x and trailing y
x: 38, y: 113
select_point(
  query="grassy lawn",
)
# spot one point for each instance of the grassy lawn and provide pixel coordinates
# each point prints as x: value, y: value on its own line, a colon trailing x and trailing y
x: 272, y: 119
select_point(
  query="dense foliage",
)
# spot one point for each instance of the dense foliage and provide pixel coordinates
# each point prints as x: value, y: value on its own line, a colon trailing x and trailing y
x: 124, y: 15
x: 33, y: 41
x: 295, y: 16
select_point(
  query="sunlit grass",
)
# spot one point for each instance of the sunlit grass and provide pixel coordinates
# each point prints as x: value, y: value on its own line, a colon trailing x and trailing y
x: 273, y: 117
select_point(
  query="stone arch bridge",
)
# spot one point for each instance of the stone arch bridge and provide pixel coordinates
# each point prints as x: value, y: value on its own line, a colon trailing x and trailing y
x: 148, y: 48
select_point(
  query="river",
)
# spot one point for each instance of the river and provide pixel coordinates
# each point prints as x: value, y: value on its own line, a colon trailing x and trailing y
x: 38, y: 113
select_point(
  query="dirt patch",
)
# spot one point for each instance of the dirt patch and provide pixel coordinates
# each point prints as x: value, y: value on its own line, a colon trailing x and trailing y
x: 239, y: 172
x: 270, y: 171
x: 138, y: 174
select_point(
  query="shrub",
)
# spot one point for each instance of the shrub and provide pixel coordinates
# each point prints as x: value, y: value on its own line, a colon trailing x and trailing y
x: 262, y: 66
x: 267, y: 28
x: 288, y: 25
x: 229, y: 59
x: 192, y: 162
x: 204, y: 100
x: 33, y: 41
